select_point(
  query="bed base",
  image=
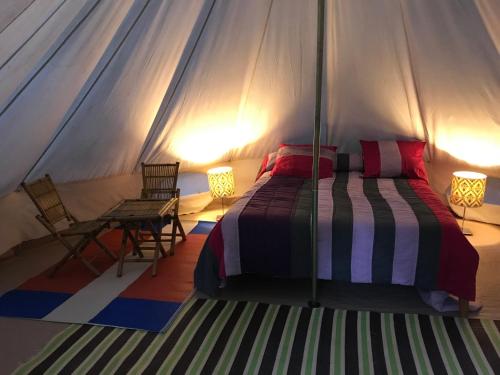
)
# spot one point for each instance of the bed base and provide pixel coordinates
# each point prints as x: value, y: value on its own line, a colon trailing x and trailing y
x: 463, y: 307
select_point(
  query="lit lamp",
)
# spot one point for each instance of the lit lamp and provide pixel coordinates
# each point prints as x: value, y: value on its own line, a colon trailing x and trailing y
x: 221, y: 183
x: 467, y: 191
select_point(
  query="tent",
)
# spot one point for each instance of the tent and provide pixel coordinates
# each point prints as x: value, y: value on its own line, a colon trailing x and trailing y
x: 90, y: 88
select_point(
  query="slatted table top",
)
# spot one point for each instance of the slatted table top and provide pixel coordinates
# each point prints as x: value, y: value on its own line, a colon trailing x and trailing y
x: 139, y: 209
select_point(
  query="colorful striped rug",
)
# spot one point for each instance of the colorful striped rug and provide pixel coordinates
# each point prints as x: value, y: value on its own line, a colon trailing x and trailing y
x: 219, y: 337
x: 135, y: 300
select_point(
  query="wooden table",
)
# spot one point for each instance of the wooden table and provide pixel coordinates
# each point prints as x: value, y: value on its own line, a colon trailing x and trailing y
x: 137, y: 214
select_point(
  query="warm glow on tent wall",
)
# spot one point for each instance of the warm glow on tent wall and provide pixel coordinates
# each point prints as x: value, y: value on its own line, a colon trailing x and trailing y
x: 475, y: 150
x: 212, y: 137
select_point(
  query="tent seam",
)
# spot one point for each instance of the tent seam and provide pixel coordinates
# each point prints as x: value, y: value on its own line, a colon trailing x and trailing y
x: 17, y: 16
x: 259, y: 51
x: 85, y: 95
x: 413, y: 76
x: 25, y: 85
x: 33, y: 34
x: 159, y: 114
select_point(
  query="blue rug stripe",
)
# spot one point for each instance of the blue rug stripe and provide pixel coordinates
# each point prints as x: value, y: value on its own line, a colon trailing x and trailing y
x: 203, y: 227
x: 136, y: 313
x: 30, y: 303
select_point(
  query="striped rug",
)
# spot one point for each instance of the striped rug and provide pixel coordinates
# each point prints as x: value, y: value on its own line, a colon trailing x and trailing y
x: 219, y: 337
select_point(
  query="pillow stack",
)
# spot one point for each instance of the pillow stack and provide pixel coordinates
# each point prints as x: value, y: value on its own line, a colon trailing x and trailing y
x: 380, y: 159
x: 267, y: 164
x: 296, y: 160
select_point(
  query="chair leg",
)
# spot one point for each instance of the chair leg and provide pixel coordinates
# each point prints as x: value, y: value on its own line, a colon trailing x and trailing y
x: 104, y: 248
x: 89, y: 265
x: 136, y: 246
x: 138, y: 238
x: 73, y: 251
x: 78, y: 256
x: 181, y: 229
x: 78, y: 253
x: 59, y: 264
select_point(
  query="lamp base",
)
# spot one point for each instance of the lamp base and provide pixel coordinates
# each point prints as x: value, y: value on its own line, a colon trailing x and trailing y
x: 466, y: 232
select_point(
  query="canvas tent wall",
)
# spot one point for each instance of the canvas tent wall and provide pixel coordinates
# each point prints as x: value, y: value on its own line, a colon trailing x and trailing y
x: 90, y: 88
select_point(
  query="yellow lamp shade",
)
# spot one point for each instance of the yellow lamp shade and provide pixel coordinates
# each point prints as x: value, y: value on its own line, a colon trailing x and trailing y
x: 221, y: 182
x: 467, y: 189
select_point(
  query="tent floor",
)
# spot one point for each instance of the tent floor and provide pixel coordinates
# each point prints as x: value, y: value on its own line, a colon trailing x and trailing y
x: 22, y: 338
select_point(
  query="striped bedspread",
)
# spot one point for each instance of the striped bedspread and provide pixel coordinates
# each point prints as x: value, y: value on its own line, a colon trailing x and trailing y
x: 384, y: 231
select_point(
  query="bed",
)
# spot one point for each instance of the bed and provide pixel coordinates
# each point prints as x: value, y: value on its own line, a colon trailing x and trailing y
x: 370, y: 230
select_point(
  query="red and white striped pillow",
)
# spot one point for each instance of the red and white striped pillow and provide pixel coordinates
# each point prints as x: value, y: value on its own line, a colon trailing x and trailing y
x: 296, y: 160
x: 394, y: 159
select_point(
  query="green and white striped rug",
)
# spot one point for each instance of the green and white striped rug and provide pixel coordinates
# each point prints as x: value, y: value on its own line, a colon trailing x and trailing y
x: 219, y: 337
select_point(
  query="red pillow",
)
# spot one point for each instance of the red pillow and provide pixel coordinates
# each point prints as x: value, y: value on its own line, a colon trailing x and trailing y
x: 296, y: 160
x: 394, y: 159
x: 267, y: 164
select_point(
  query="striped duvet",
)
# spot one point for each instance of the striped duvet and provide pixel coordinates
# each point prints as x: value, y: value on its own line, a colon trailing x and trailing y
x: 384, y: 231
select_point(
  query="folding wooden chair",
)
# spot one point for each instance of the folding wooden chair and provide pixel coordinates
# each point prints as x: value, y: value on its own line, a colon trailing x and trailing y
x: 159, y: 181
x: 44, y: 195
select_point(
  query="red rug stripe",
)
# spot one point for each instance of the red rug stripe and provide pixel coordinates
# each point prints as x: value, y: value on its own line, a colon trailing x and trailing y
x: 174, y: 280
x: 73, y: 276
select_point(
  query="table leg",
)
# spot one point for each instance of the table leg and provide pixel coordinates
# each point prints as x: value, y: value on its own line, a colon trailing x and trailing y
x: 137, y: 248
x: 123, y: 250
x: 158, y: 247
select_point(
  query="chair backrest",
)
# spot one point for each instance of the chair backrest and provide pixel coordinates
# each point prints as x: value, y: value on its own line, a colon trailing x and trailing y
x: 159, y: 181
x: 46, y: 198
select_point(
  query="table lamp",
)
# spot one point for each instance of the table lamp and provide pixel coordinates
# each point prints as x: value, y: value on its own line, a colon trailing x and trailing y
x: 221, y: 183
x: 467, y: 191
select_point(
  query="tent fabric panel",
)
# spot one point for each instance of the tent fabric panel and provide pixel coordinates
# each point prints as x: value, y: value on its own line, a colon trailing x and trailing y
x: 265, y: 67
x: 490, y: 13
x: 458, y: 80
x: 51, y: 91
x: 26, y: 24
x: 10, y: 10
x: 25, y: 43
x: 280, y: 96
x: 107, y: 129
x: 422, y: 70
x: 370, y: 93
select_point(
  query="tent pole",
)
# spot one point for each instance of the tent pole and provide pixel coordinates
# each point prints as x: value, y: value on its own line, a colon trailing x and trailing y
x: 316, y: 151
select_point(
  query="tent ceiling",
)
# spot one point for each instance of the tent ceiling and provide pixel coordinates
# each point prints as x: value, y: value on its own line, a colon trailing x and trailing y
x: 89, y: 88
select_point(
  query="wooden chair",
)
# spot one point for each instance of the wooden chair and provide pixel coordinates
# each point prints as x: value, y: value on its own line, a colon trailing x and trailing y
x: 159, y: 181
x: 44, y: 195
